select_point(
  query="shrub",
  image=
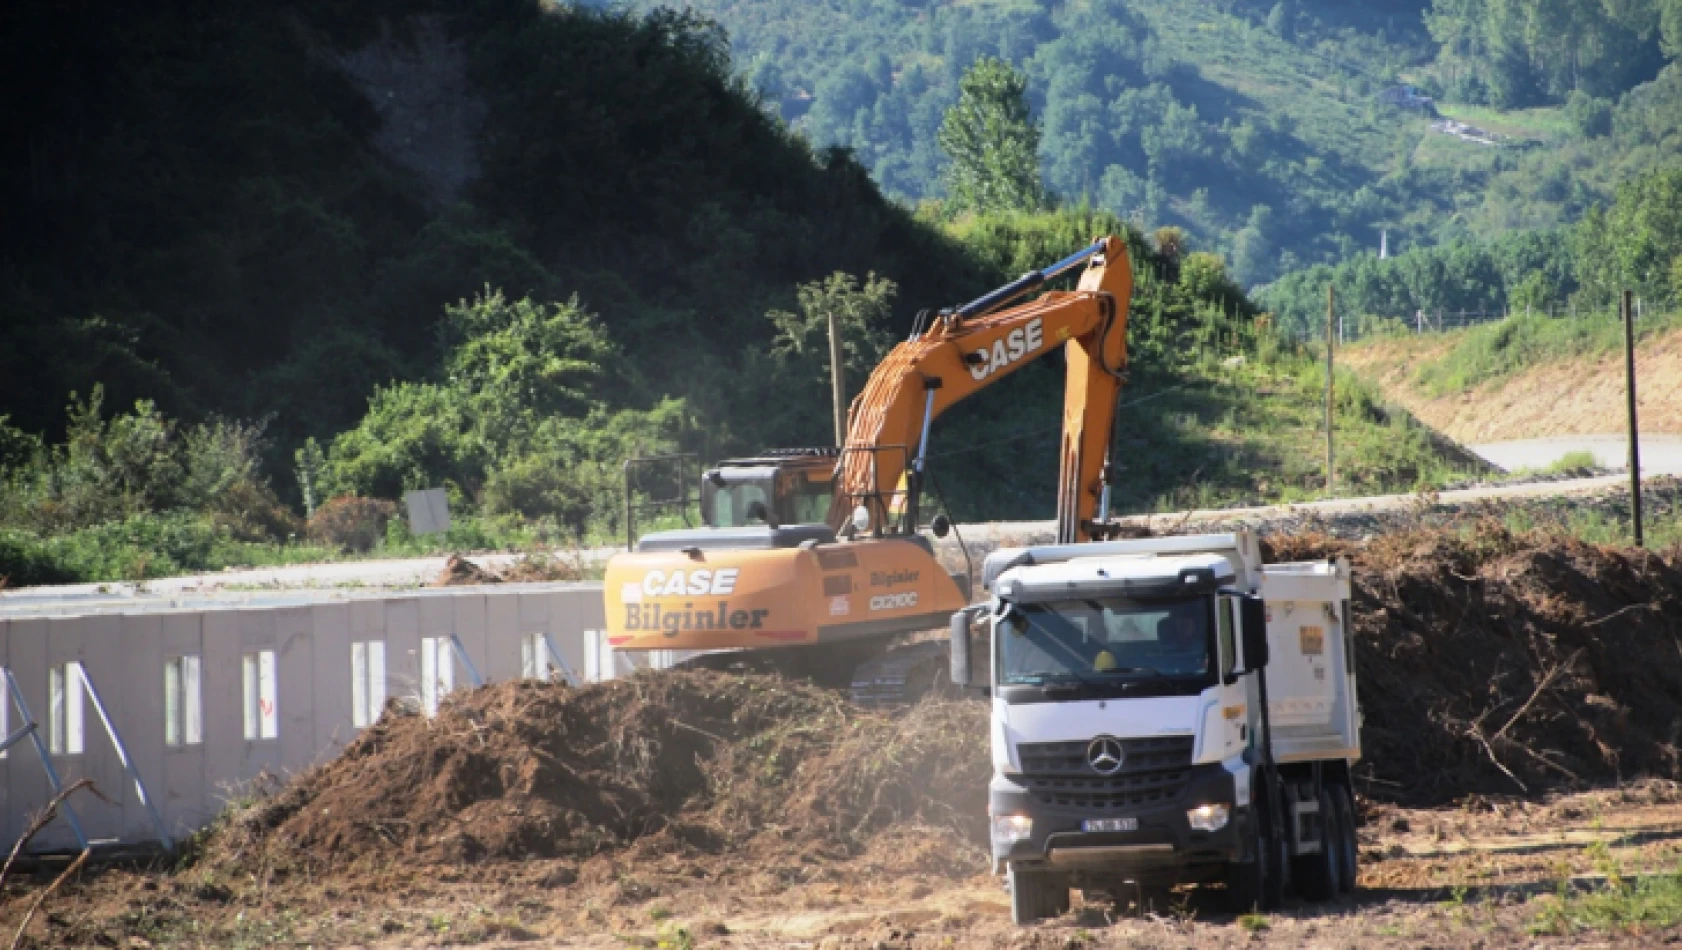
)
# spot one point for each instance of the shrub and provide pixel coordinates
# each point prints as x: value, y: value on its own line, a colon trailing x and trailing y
x: 25, y: 561
x: 351, y: 522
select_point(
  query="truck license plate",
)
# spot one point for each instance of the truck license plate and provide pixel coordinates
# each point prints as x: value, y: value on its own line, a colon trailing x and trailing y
x: 1110, y: 824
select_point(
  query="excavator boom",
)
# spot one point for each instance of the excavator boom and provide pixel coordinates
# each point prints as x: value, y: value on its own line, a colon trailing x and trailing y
x: 969, y: 348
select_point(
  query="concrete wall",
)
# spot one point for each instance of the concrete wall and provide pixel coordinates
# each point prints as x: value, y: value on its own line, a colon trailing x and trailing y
x: 124, y: 651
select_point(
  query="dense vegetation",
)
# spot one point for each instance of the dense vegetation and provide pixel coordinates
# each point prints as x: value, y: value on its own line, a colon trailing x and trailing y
x: 498, y: 250
x: 1256, y: 125
x: 1634, y: 244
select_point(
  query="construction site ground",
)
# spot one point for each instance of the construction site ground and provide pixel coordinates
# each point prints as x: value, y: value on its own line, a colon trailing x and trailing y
x: 1485, y: 873
x: 1520, y: 749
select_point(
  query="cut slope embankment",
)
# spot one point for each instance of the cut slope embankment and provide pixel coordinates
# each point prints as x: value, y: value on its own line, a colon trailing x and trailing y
x: 1571, y: 395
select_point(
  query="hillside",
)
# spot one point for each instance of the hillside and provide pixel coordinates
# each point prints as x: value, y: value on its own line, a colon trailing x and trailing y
x: 1522, y: 380
x: 285, y: 262
x: 1256, y: 125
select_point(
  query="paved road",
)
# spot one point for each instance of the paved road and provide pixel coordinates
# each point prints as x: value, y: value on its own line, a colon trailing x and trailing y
x: 1660, y: 454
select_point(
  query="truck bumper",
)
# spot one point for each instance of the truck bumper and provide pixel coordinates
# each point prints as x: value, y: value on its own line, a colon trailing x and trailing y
x: 1163, y: 848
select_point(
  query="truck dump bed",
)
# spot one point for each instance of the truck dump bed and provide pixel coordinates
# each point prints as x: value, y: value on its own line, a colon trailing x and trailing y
x: 1311, y: 673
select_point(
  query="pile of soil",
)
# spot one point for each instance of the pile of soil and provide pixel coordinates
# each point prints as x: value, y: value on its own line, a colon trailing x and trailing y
x: 1496, y: 662
x: 460, y: 572
x: 1490, y: 663
x: 695, y: 760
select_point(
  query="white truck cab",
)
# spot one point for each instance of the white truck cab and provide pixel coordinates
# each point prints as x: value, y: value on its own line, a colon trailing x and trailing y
x: 1166, y: 710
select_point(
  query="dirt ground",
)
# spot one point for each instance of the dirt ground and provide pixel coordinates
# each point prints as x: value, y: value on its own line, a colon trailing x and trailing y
x: 699, y: 808
x: 1482, y: 874
x: 1575, y: 398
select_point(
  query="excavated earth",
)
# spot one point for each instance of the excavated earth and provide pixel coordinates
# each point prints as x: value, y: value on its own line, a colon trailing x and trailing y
x: 1515, y: 689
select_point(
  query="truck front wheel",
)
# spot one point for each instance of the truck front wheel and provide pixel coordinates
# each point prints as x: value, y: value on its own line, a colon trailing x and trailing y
x: 1036, y: 895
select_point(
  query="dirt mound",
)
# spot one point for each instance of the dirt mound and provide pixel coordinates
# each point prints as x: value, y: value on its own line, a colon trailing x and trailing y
x: 694, y: 761
x: 460, y: 572
x: 1509, y: 663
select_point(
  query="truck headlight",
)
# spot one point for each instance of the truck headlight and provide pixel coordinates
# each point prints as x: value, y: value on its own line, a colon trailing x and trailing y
x: 1009, y: 829
x: 1208, y: 817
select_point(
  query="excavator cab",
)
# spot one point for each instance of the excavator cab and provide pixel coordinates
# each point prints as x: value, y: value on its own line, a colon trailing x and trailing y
x: 784, y: 487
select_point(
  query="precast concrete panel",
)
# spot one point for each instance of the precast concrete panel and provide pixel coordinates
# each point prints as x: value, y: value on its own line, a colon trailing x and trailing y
x: 258, y: 634
x: 126, y: 651
x: 225, y: 768
x: 183, y: 799
x: 402, y: 650
x: 472, y: 625
x: 295, y: 695
x: 129, y: 671
x: 26, y: 650
x: 330, y: 681
x: 502, y: 625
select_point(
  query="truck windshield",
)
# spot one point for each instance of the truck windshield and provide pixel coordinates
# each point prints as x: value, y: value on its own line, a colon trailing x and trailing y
x: 1110, y: 638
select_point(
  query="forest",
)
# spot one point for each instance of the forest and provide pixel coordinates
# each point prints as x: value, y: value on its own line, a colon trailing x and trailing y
x: 249, y: 288
x: 1257, y: 126
x: 267, y: 266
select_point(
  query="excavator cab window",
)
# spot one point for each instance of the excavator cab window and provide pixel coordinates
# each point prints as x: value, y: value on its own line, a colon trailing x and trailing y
x: 734, y: 499
x: 802, y: 499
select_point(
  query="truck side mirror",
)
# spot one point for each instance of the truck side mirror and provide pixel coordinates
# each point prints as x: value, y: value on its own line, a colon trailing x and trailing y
x: 1252, y: 614
x: 961, y: 647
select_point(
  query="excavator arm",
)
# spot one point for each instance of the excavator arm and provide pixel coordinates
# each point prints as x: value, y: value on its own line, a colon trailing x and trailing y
x: 966, y: 349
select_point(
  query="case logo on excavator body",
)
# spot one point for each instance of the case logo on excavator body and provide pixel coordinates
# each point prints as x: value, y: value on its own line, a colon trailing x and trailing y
x: 696, y: 583
x: 1007, y: 350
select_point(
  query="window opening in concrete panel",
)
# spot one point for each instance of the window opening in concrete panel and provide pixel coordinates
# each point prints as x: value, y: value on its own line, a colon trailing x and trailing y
x: 367, y: 686
x: 65, y: 709
x: 534, y: 657
x: 438, y: 672
x: 258, y: 673
x: 183, y: 704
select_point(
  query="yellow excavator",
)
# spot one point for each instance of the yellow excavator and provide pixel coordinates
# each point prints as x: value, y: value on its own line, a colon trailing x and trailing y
x: 813, y: 561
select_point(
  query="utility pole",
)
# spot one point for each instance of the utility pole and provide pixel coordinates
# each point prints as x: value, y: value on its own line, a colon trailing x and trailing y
x: 1634, y: 433
x: 1331, y: 341
x: 837, y: 381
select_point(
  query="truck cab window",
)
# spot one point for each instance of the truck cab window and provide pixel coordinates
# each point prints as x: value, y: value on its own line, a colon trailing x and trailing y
x: 1112, y: 637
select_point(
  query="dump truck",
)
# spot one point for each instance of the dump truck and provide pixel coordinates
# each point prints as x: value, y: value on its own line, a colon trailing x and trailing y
x: 818, y: 562
x: 1164, y: 711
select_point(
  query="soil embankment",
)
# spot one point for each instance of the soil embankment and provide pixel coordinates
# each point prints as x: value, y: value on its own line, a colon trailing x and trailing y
x: 1583, y: 395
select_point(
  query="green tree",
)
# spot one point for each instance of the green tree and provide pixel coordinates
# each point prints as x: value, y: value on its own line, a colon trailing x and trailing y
x: 992, y: 142
x: 861, y: 312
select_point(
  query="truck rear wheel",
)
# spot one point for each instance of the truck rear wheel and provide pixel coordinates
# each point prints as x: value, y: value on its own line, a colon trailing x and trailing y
x: 1036, y: 895
x: 1320, y: 876
x: 1347, y: 848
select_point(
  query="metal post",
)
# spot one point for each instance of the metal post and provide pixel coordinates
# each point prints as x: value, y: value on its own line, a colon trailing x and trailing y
x: 572, y: 677
x: 1634, y: 432
x: 46, y: 757
x: 837, y: 380
x: 1331, y: 344
x: 123, y: 757
x: 466, y: 661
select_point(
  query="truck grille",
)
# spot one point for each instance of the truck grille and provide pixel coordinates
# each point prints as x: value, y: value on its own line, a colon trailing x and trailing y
x: 1153, y: 771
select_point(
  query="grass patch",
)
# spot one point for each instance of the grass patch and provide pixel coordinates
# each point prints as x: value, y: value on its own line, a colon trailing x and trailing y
x: 1573, y: 463
x: 1254, y: 923
x: 1254, y: 434
x: 1510, y: 346
x: 1619, y: 905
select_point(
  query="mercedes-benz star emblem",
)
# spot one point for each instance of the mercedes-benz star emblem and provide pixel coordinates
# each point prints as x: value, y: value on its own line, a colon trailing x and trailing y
x: 1105, y: 755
